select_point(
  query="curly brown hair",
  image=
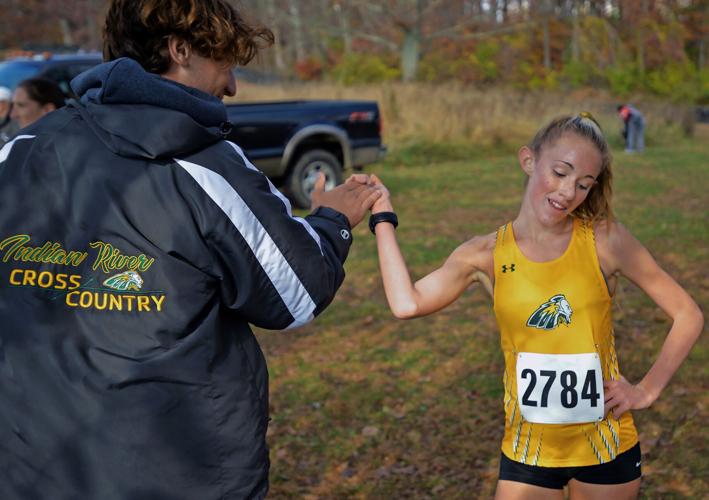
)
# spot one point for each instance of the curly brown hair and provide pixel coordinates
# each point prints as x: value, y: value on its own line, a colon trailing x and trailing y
x: 140, y: 29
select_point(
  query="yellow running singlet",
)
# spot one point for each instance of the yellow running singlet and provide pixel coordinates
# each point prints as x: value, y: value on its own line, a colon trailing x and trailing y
x: 557, y: 339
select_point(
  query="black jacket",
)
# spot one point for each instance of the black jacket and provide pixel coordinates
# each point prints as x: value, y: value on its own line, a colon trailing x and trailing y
x: 136, y: 246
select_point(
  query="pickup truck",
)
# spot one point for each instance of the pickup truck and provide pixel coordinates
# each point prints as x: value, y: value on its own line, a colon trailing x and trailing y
x: 291, y: 142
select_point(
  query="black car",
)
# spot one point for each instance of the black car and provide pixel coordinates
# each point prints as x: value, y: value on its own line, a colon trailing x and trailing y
x: 61, y: 68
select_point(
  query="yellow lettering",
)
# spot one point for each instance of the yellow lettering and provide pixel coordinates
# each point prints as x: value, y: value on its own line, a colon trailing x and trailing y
x: 75, y: 281
x: 69, y: 300
x: 109, y: 259
x: 76, y: 258
x: 145, y: 263
x: 100, y: 305
x: 45, y: 279
x: 119, y: 261
x: 36, y: 253
x: 29, y: 277
x: 115, y: 302
x: 58, y: 257
x: 143, y: 303
x: 61, y: 281
x: 85, y: 300
x: 158, y: 301
x: 103, y: 254
x: 12, y: 277
x: 103, y: 301
x: 49, y: 253
x: 15, y: 243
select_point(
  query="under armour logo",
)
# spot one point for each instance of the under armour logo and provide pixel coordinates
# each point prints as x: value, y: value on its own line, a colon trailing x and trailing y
x: 345, y: 234
x: 510, y: 268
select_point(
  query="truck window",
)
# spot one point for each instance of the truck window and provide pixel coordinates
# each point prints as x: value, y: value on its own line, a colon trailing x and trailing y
x: 13, y: 72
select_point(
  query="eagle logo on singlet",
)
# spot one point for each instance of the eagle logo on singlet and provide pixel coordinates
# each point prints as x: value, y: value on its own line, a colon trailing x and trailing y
x: 129, y: 280
x: 551, y: 313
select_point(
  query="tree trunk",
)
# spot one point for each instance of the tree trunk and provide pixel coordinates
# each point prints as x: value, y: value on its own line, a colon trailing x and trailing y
x: 66, y: 32
x: 278, y: 59
x: 493, y: 11
x: 410, y: 54
x: 343, y: 13
x: 547, y: 48
x: 298, y: 36
x: 612, y: 43
x: 575, y: 49
x: 640, y: 38
x: 411, y: 47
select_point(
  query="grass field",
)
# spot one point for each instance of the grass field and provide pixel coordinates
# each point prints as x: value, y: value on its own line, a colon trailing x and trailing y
x: 367, y: 406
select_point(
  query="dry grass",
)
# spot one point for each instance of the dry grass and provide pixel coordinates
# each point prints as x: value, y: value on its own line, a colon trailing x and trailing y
x: 491, y: 117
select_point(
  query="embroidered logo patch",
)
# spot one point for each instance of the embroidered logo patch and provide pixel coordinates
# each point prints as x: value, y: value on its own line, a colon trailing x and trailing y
x: 67, y: 277
x: 129, y: 280
x: 551, y: 314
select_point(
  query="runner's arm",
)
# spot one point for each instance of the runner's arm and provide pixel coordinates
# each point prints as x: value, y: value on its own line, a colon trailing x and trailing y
x: 432, y: 292
x: 635, y: 262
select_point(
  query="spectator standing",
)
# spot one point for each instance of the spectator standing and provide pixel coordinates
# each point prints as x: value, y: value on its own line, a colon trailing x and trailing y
x: 136, y: 247
x: 633, y: 127
x: 33, y: 99
x: 7, y: 129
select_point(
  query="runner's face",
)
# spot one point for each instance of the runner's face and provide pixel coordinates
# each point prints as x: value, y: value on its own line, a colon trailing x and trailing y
x: 562, y: 176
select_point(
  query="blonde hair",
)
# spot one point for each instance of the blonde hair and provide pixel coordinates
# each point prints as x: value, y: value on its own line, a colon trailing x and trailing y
x: 597, y: 205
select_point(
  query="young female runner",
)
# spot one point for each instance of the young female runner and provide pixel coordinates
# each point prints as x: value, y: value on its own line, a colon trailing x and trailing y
x: 553, y: 270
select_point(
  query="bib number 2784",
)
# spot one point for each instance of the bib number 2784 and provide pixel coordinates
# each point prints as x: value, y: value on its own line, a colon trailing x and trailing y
x: 560, y: 388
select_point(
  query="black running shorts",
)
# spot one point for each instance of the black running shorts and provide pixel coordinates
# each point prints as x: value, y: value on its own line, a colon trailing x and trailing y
x: 625, y: 468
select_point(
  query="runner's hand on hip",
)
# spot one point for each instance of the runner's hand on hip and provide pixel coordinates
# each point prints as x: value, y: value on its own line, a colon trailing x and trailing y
x: 621, y: 396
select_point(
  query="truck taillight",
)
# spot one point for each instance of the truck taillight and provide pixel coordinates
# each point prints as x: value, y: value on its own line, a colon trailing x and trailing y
x: 361, y: 116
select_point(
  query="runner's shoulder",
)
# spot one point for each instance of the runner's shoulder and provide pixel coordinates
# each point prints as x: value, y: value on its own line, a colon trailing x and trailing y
x: 478, y: 250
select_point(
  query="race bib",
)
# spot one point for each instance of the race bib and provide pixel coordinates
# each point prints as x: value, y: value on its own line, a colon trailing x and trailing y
x: 560, y: 388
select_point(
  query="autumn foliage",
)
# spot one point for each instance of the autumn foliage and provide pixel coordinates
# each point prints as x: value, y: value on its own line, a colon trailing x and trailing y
x: 651, y: 46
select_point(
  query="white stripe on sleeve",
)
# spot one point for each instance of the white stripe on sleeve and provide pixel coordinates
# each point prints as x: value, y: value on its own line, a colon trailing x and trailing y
x: 296, y: 298
x: 276, y: 192
x: 5, y: 151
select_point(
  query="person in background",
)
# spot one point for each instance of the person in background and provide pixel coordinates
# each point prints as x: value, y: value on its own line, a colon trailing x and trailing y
x: 633, y: 127
x: 7, y: 128
x: 33, y: 99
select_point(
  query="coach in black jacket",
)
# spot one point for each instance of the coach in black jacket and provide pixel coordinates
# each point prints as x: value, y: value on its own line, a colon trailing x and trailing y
x: 136, y: 245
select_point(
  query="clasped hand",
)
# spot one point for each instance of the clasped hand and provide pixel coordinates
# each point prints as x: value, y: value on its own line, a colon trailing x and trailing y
x: 353, y: 198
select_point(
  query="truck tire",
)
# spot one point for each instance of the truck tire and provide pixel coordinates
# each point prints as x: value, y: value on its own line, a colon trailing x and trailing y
x: 304, y: 173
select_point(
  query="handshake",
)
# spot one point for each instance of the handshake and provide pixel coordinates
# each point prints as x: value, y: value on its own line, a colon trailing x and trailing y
x: 359, y: 194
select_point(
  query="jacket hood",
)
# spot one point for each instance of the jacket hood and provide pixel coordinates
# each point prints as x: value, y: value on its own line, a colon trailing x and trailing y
x: 142, y: 115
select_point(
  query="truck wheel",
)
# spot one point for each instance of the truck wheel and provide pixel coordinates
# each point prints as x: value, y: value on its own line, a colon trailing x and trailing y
x: 301, y: 179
